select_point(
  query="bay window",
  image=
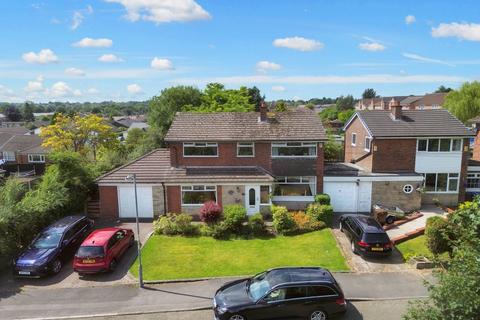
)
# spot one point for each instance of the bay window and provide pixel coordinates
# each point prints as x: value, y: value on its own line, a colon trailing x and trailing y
x: 198, y: 194
x: 294, y: 149
x: 200, y: 149
x: 295, y: 186
x: 441, y: 182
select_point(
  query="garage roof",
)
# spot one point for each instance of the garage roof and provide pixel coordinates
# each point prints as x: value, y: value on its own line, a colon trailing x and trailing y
x: 155, y: 168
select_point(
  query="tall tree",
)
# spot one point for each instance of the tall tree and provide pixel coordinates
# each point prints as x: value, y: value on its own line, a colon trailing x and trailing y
x: 369, y: 93
x: 255, y: 97
x: 443, y: 89
x: 465, y: 102
x: 162, y: 108
x: 12, y: 113
x: 218, y: 99
x: 27, y: 112
x: 280, y: 106
x: 345, y: 102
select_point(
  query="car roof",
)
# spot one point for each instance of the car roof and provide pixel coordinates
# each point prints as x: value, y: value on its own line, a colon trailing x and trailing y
x: 64, y: 223
x: 100, y: 237
x: 298, y: 274
x: 367, y: 223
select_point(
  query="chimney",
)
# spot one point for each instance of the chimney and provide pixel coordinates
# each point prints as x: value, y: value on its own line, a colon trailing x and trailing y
x: 395, y: 109
x: 263, y: 112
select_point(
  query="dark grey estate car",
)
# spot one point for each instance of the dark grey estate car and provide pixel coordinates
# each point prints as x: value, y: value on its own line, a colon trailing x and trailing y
x: 283, y: 293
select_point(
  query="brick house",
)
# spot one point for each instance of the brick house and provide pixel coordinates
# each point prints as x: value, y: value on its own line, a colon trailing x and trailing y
x: 428, y: 101
x: 416, y: 156
x: 252, y: 159
x: 21, y: 153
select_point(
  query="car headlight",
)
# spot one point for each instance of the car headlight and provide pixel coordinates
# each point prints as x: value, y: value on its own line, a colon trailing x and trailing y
x: 221, y: 310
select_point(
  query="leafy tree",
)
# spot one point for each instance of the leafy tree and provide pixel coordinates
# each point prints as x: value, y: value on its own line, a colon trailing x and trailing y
x: 27, y: 112
x: 281, y: 106
x: 255, y: 97
x: 345, y: 102
x: 443, y: 89
x: 162, y: 108
x: 333, y: 150
x: 369, y: 93
x: 465, y: 102
x: 218, y: 99
x: 330, y: 113
x: 310, y: 106
x: 345, y: 115
x: 12, y: 113
x: 78, y: 134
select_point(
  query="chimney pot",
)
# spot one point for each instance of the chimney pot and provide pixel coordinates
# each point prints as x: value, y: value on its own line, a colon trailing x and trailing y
x: 263, y: 112
x: 395, y: 109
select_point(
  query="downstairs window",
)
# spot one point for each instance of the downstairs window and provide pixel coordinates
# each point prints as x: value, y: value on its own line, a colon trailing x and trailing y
x: 295, y: 186
x: 198, y: 194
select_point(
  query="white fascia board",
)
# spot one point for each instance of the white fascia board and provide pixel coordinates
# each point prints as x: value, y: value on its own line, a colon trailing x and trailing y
x: 371, y: 178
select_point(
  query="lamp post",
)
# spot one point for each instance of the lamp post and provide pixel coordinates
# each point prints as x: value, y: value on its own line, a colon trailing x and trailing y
x: 133, y: 177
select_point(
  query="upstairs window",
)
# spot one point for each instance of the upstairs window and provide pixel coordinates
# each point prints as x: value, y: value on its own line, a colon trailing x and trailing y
x: 354, y: 139
x: 200, y: 149
x: 245, y: 149
x: 439, y: 145
x: 36, y: 158
x: 294, y: 149
x: 8, y: 155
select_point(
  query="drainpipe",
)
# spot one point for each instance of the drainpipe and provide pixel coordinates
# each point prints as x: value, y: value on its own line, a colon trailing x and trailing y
x: 164, y: 199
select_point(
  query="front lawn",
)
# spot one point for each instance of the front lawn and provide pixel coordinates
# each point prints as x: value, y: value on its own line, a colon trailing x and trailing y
x: 415, y: 247
x: 198, y: 257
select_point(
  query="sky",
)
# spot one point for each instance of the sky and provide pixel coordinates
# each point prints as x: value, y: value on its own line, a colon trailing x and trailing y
x: 121, y: 50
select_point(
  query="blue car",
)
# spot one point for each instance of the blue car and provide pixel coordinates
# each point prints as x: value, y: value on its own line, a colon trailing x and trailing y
x: 54, y: 246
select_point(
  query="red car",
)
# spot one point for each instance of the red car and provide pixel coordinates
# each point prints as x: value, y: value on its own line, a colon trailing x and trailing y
x: 102, y: 249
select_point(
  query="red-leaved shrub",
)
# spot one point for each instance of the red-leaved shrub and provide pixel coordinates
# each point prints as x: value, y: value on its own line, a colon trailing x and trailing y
x: 210, y: 212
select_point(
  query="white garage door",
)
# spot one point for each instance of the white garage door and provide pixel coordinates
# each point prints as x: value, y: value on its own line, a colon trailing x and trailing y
x: 346, y: 196
x: 126, y: 202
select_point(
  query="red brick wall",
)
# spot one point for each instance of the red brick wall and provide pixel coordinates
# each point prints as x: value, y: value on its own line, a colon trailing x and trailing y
x: 476, y: 147
x: 174, y: 199
x: 394, y: 155
x: 108, y: 201
x: 353, y: 153
x: 219, y: 196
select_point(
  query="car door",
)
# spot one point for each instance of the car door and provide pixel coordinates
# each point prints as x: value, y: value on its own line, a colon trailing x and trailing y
x: 321, y: 298
x: 283, y: 303
x: 122, y: 241
x: 113, y: 247
x: 348, y: 227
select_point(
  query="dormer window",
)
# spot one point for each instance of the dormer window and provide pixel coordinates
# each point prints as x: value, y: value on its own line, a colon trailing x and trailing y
x: 200, y: 149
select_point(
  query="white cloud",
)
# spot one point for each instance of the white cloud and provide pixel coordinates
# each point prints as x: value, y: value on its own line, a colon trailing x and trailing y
x: 75, y: 72
x: 162, y: 11
x: 161, y: 64
x: 298, y: 43
x: 78, y: 17
x: 93, y: 91
x: 34, y: 85
x: 93, y: 43
x: 420, y: 58
x: 111, y: 58
x: 462, y: 31
x: 279, y: 88
x: 264, y: 66
x: 60, y: 90
x: 44, y: 56
x: 410, y: 19
x: 134, y: 89
x: 372, y: 46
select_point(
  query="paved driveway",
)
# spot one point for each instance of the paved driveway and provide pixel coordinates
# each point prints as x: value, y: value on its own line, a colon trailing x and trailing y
x: 69, y: 279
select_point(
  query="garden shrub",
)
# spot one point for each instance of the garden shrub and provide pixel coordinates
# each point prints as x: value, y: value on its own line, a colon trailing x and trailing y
x: 233, y: 217
x: 175, y: 224
x: 283, y: 222
x: 210, y: 212
x: 322, y: 198
x: 435, y: 232
x: 306, y: 223
x: 321, y: 212
x: 256, y: 225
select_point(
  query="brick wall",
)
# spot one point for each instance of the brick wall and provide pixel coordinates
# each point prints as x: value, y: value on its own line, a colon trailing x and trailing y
x: 352, y: 153
x: 108, y: 201
x: 476, y: 147
x: 394, y: 155
x: 174, y: 199
x: 463, y: 171
x: 390, y: 193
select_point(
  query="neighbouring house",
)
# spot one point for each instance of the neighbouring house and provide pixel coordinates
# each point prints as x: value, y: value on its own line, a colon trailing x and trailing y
x: 253, y: 159
x: 473, y: 172
x: 410, y: 157
x: 22, y: 154
x: 379, y: 103
x: 135, y: 125
x: 15, y: 130
x: 428, y: 101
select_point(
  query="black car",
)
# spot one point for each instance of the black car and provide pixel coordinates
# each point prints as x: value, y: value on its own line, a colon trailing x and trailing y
x: 54, y: 246
x: 366, y: 235
x: 282, y: 293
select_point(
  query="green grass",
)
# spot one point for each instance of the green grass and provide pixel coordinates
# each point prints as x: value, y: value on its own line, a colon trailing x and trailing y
x: 415, y: 247
x: 167, y: 258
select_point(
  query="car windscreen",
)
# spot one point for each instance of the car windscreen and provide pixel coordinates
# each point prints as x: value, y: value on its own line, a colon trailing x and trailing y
x: 90, y: 252
x: 259, y: 286
x: 47, y: 240
x: 376, y: 237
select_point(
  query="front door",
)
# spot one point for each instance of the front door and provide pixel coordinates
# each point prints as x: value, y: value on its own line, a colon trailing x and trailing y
x: 252, y: 199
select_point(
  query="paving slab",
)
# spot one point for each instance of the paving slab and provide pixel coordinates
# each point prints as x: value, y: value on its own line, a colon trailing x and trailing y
x: 427, y: 211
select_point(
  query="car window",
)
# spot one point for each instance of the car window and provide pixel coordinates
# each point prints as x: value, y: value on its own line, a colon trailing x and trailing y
x: 276, y: 295
x: 47, y: 240
x: 376, y: 237
x: 90, y: 252
x: 113, y: 240
x: 119, y: 235
x: 78, y: 226
x: 296, y: 292
x: 69, y: 234
x: 320, y: 291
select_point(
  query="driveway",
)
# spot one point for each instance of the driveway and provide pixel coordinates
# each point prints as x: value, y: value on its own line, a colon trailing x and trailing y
x: 69, y: 279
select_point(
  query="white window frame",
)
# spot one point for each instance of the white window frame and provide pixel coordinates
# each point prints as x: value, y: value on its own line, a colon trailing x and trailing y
x: 30, y: 158
x: 448, y: 181
x: 369, y: 139
x: 9, y: 156
x: 354, y: 139
x: 408, y: 188
x: 473, y: 176
x: 191, y: 187
x: 439, y: 142
x: 200, y: 145
x: 286, y: 144
x: 246, y: 145
x: 285, y: 180
x: 269, y: 195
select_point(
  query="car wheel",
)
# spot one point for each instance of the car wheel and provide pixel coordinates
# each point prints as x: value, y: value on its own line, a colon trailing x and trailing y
x: 390, y: 219
x: 237, y: 317
x: 352, y: 245
x: 113, y: 265
x: 56, y: 266
x: 318, y: 315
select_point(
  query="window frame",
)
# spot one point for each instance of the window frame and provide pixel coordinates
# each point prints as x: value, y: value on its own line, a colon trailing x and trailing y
x: 354, y: 139
x: 191, y: 188
x: 301, y: 145
x: 440, y: 139
x: 450, y: 176
x: 246, y: 145
x: 473, y: 176
x: 269, y: 195
x: 285, y: 180
x: 6, y: 156
x: 31, y: 155
x: 369, y: 139
x: 199, y: 145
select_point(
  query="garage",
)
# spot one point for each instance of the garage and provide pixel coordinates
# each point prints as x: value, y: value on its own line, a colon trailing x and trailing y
x: 348, y: 196
x: 126, y: 202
